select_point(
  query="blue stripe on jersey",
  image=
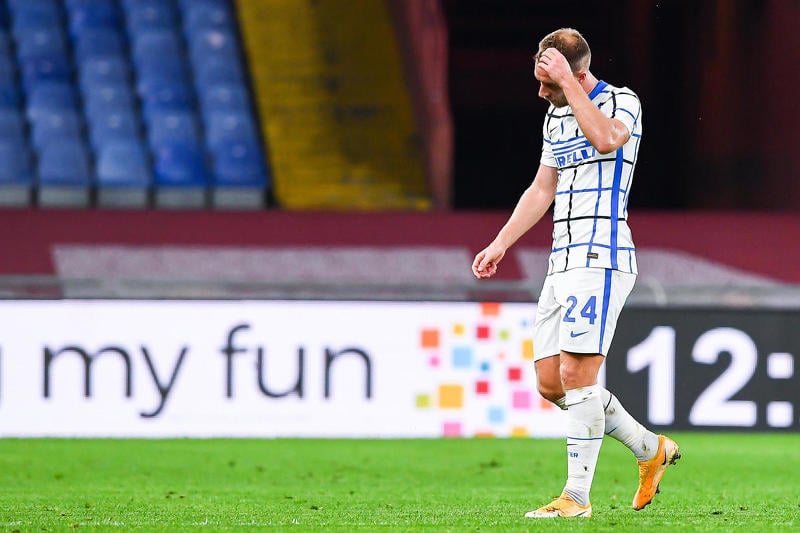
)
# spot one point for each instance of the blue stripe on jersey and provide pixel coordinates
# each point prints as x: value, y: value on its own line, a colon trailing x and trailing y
x: 576, y: 191
x: 597, y: 89
x: 615, y: 207
x: 570, y: 147
x: 596, y: 208
x: 565, y: 141
x: 604, y: 313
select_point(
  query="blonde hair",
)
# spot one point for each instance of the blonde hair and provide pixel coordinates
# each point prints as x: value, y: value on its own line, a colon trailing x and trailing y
x: 571, y: 44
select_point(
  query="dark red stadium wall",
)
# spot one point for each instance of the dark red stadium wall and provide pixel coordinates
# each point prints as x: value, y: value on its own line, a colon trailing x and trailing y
x: 763, y: 243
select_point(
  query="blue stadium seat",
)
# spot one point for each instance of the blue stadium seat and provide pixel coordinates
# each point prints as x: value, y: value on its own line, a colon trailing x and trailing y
x: 160, y: 94
x: 216, y: 71
x: 5, y: 43
x: 8, y: 70
x: 154, y: 44
x: 223, y: 127
x: 104, y: 70
x: 163, y: 67
x: 16, y: 176
x: 55, y: 126
x: 240, y: 177
x: 239, y: 164
x: 99, y: 42
x: 201, y: 16
x: 113, y: 127
x: 45, y: 69
x: 123, y: 174
x: 180, y: 163
x: 107, y: 98
x: 213, y: 44
x: 93, y: 15
x: 224, y: 97
x: 186, y: 5
x: 12, y: 126
x: 146, y: 15
x: 17, y: 6
x: 9, y: 95
x: 47, y: 96
x: 181, y: 177
x: 64, y: 176
x: 26, y: 21
x: 173, y: 127
x: 41, y: 43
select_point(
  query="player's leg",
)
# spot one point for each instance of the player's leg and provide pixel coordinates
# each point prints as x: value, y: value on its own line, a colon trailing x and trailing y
x: 653, y: 452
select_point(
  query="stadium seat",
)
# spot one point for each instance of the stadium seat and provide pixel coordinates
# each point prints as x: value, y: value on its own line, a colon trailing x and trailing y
x: 173, y: 127
x: 123, y: 175
x: 5, y: 42
x: 55, y: 126
x: 107, y: 98
x: 213, y: 44
x: 41, y: 43
x: 159, y: 96
x: 181, y: 178
x: 12, y: 126
x: 153, y: 45
x: 146, y: 15
x: 47, y: 96
x: 223, y: 127
x: 224, y: 97
x: 113, y: 127
x: 99, y: 42
x: 45, y: 69
x: 16, y: 6
x: 103, y: 70
x: 9, y: 95
x: 240, y: 176
x: 8, y: 71
x: 200, y: 16
x: 64, y: 178
x: 28, y: 20
x: 215, y: 71
x: 16, y: 177
x: 92, y: 15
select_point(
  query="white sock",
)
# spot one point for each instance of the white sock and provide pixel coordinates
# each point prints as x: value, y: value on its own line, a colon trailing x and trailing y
x: 585, y: 425
x: 623, y: 427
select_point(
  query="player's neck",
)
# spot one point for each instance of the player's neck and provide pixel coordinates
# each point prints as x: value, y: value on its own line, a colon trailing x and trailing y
x: 589, y: 82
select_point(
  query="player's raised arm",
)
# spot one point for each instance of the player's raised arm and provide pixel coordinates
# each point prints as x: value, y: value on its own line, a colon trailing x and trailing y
x: 530, y: 208
x: 606, y: 134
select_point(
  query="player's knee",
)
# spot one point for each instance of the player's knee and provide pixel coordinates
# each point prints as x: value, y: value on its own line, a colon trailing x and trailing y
x: 551, y: 393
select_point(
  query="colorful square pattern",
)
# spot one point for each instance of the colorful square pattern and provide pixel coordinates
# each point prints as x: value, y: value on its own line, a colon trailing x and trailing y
x: 483, y: 382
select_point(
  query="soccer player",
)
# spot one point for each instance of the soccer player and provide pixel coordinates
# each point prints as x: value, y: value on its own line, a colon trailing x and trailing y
x: 591, y: 139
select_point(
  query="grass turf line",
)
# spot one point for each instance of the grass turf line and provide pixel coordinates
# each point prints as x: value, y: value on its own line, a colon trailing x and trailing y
x: 724, y: 482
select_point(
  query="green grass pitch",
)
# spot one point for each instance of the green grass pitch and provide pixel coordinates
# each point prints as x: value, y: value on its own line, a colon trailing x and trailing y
x: 724, y: 482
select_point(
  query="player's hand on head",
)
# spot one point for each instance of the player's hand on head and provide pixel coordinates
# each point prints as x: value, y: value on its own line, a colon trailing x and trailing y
x: 555, y: 65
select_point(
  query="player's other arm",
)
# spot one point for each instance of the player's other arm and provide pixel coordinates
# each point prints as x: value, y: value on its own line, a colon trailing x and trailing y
x: 530, y: 208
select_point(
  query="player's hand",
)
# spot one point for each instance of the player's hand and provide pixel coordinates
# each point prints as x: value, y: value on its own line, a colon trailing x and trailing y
x: 485, y: 263
x: 555, y: 65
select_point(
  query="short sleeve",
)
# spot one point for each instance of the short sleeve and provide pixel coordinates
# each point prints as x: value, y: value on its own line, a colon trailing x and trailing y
x: 547, y: 159
x: 626, y: 108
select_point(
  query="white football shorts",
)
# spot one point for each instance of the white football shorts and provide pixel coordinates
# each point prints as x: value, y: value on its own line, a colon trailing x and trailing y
x: 578, y: 310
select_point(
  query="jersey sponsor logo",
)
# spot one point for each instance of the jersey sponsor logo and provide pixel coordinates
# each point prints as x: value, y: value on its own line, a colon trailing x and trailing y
x: 576, y: 156
x: 573, y: 334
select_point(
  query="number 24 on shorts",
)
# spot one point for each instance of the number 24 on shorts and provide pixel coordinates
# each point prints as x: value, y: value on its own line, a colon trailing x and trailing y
x: 589, y: 310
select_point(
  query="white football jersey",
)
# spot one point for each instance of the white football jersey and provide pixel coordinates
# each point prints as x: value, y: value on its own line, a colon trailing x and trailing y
x: 590, y: 227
